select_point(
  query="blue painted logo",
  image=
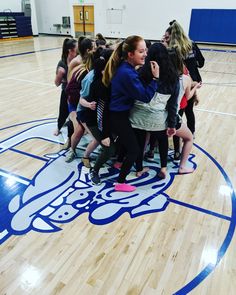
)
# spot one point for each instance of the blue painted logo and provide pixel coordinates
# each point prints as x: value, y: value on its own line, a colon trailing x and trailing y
x: 59, y: 192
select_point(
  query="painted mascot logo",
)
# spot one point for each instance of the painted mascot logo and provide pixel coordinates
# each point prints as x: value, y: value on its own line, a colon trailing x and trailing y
x: 59, y: 192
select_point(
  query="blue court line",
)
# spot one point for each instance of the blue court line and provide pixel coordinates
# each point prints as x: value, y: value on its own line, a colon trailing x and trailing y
x: 21, y: 132
x: 28, y: 154
x: 28, y: 52
x: 210, y: 267
x: 218, y: 50
x: 34, y: 121
x: 199, y: 209
x: 222, y: 250
x: 41, y: 50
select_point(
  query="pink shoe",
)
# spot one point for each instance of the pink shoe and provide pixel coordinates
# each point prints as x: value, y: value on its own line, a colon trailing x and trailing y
x: 124, y: 187
x: 117, y: 165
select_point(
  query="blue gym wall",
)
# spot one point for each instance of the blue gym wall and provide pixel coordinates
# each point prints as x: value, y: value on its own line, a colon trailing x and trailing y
x: 213, y: 26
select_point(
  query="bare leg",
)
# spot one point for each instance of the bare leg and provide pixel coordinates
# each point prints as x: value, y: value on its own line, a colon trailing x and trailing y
x: 78, y: 131
x: 140, y: 173
x: 75, y: 138
x: 91, y: 147
x: 184, y: 133
x: 162, y: 173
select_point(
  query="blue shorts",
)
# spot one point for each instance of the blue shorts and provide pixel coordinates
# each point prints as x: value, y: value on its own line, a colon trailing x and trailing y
x: 71, y: 107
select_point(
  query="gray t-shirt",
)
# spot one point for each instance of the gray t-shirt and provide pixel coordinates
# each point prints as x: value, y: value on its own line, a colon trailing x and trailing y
x: 150, y: 116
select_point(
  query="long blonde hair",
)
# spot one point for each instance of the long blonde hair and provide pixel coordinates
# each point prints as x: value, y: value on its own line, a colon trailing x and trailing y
x: 86, y: 65
x: 119, y: 54
x: 178, y: 39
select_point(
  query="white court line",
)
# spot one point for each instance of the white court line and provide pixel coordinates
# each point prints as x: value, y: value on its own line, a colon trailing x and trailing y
x: 220, y: 83
x: 3, y: 234
x: 30, y: 72
x: 29, y: 81
x: 215, y: 112
x: 15, y: 178
x: 221, y: 62
x: 233, y: 84
x: 50, y: 90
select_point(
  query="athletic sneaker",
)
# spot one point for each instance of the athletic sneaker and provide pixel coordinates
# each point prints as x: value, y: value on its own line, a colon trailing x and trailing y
x: 177, y: 156
x: 149, y: 155
x: 70, y: 156
x: 124, y: 187
x: 66, y: 145
x: 86, y: 162
x: 94, y: 177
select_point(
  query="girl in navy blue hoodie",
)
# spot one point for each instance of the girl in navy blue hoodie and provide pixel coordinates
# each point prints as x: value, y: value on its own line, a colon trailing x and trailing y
x: 126, y: 87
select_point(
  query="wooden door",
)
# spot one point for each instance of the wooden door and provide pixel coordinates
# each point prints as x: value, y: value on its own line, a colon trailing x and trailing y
x: 84, y: 20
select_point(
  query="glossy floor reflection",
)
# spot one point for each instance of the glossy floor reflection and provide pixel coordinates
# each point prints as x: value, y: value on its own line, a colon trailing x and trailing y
x: 61, y: 235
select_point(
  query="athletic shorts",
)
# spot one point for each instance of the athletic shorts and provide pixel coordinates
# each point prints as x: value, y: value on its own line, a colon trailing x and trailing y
x: 178, y: 122
x: 71, y: 107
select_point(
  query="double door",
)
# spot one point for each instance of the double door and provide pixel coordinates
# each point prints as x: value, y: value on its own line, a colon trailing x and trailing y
x: 84, y: 20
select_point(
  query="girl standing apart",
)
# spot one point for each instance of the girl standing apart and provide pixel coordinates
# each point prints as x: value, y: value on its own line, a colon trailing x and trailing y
x: 69, y: 51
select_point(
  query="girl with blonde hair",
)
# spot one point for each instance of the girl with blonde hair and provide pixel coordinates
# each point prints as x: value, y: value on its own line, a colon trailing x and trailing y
x: 175, y: 37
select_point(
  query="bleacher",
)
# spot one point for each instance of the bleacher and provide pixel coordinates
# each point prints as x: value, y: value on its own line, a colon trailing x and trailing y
x: 14, y: 24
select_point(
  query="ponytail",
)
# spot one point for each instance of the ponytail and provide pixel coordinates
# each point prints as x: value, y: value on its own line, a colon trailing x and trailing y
x: 176, y: 58
x: 179, y: 38
x: 80, y: 39
x: 64, y: 51
x: 112, y: 64
x: 84, y: 44
x: 88, y: 60
x: 87, y: 63
x: 67, y: 45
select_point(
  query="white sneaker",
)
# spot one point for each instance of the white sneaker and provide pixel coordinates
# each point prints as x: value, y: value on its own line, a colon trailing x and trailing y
x: 70, y: 156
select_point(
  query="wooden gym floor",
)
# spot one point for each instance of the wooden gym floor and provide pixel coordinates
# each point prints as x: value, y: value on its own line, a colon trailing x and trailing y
x: 61, y: 235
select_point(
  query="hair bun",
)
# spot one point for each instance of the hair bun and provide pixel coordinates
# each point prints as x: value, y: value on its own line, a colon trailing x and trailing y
x: 172, y: 22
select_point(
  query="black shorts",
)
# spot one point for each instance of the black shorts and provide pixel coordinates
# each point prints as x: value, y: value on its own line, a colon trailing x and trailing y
x: 178, y: 122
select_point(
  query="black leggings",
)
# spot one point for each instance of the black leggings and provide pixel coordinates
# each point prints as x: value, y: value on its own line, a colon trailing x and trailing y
x: 162, y: 139
x: 141, y: 138
x: 120, y: 151
x: 63, y: 110
x: 70, y: 128
x: 190, y: 115
x: 107, y: 151
x: 120, y: 125
x: 152, y: 141
x: 63, y: 114
x: 176, y: 139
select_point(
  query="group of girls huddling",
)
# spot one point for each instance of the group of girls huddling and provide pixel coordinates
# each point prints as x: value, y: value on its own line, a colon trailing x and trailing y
x: 124, y: 94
